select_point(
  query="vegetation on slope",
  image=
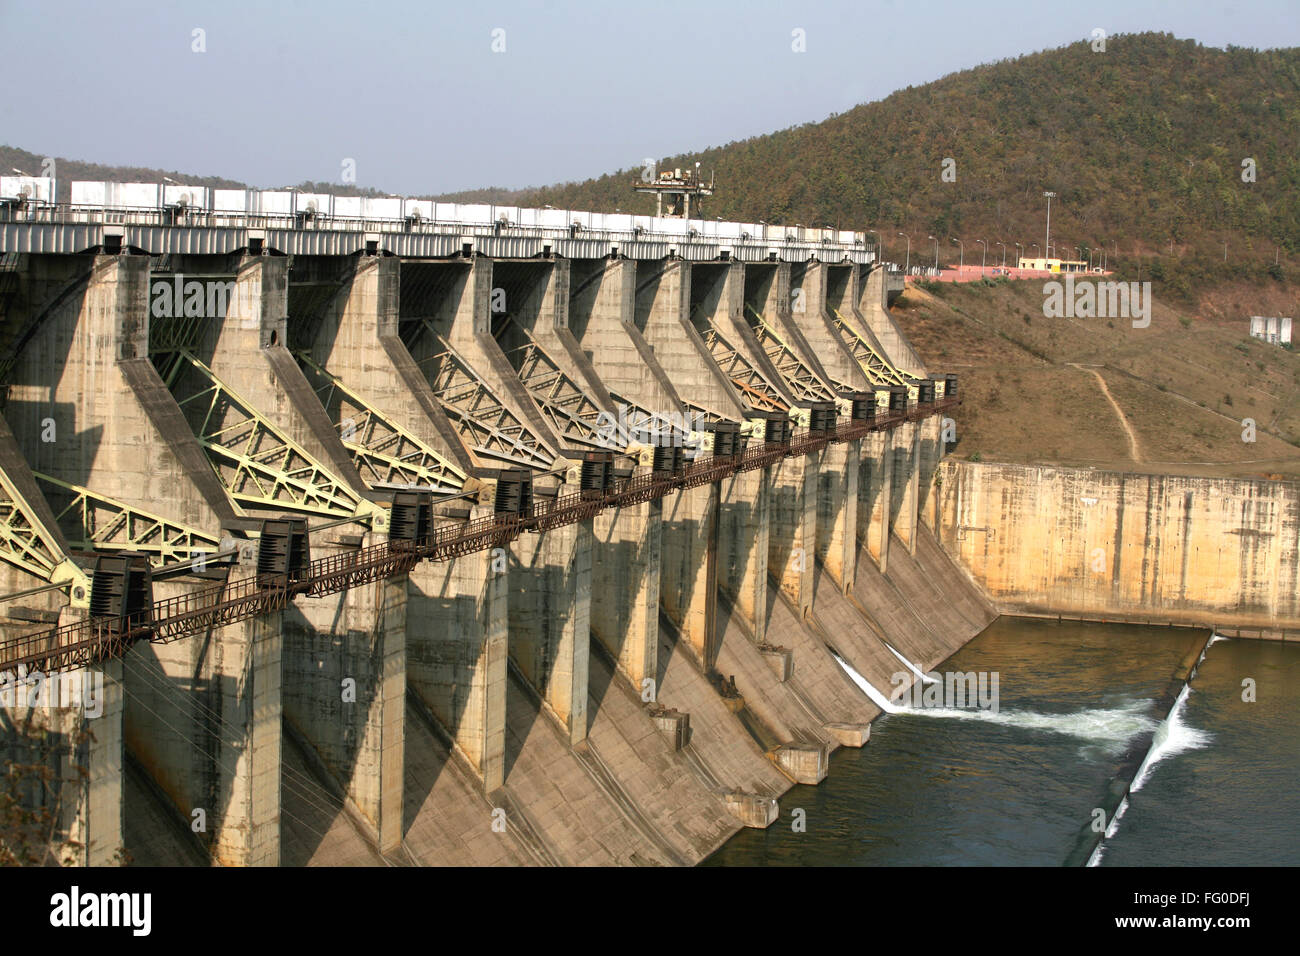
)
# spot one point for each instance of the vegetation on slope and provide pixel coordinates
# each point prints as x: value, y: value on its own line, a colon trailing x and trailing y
x: 1143, y: 144
x: 1184, y: 385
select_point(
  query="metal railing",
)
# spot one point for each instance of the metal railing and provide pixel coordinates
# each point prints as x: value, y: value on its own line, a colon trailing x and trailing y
x: 91, y: 640
x: 67, y: 214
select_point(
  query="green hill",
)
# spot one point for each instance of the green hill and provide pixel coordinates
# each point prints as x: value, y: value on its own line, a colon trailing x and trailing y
x: 1142, y: 143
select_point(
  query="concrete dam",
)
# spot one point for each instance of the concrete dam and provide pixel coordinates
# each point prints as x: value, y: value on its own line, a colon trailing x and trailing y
x: 448, y: 536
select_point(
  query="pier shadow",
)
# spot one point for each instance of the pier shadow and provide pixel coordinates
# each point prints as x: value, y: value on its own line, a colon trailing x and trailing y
x: 181, y: 728
x: 437, y: 665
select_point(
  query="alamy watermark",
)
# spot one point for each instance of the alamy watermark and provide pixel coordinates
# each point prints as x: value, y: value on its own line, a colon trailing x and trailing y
x: 658, y: 430
x: 80, y: 689
x: 196, y: 298
x: 955, y: 690
x: 1089, y: 299
x: 75, y: 909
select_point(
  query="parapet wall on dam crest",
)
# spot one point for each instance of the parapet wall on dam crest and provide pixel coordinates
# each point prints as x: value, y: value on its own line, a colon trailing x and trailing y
x: 1143, y: 547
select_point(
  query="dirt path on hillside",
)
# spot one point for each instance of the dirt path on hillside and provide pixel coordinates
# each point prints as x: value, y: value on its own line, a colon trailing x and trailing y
x: 1135, y: 449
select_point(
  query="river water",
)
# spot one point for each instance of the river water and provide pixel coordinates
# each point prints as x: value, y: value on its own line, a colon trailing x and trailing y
x: 959, y: 787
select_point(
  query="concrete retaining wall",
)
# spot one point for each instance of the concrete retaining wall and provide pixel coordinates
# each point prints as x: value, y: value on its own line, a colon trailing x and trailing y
x: 1154, y: 548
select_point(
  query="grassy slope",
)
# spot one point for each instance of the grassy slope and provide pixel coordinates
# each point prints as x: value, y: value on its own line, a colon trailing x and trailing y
x: 1184, y: 384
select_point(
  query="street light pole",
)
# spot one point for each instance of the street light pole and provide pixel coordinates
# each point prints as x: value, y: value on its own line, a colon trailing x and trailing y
x: 1047, y: 241
x: 961, y: 262
x: 1004, y: 253
x: 936, y: 254
x: 880, y: 246
x: 907, y: 268
x: 1018, y: 255
x: 983, y: 255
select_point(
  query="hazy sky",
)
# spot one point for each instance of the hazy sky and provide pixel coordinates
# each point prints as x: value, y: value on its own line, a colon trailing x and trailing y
x: 415, y: 94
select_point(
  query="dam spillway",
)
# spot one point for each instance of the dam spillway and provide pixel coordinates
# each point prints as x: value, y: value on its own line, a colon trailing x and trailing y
x: 453, y: 536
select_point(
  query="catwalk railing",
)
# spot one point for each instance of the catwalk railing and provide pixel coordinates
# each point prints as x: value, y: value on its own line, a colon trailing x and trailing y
x: 93, y: 639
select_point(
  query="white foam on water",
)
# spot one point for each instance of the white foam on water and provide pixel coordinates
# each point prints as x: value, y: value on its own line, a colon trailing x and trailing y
x: 1114, y: 725
x: 1097, y: 853
x: 925, y: 678
x: 1173, y: 737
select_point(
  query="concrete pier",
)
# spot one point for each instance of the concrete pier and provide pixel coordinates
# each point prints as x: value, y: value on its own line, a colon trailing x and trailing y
x: 627, y: 559
x: 203, y: 718
x: 344, y: 690
x: 550, y: 618
x: 906, y: 484
x: 873, y: 310
x: 837, y: 510
x: 793, y: 542
x: 745, y: 517
x: 875, y: 486
x: 689, y: 569
x: 456, y: 653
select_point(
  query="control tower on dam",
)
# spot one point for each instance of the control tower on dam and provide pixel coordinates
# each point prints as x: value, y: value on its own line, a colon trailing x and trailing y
x: 353, y: 531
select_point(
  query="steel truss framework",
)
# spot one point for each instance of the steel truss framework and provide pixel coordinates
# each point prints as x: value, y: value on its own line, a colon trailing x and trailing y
x: 656, y: 428
x: 569, y: 410
x: 756, y: 389
x: 803, y: 382
x: 107, y: 523
x: 385, y: 454
x: 26, y: 543
x: 482, y: 420
x: 878, y: 369
x: 576, y: 417
x: 257, y: 465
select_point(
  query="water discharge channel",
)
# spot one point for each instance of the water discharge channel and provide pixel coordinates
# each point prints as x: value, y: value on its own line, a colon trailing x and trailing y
x: 1093, y: 728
